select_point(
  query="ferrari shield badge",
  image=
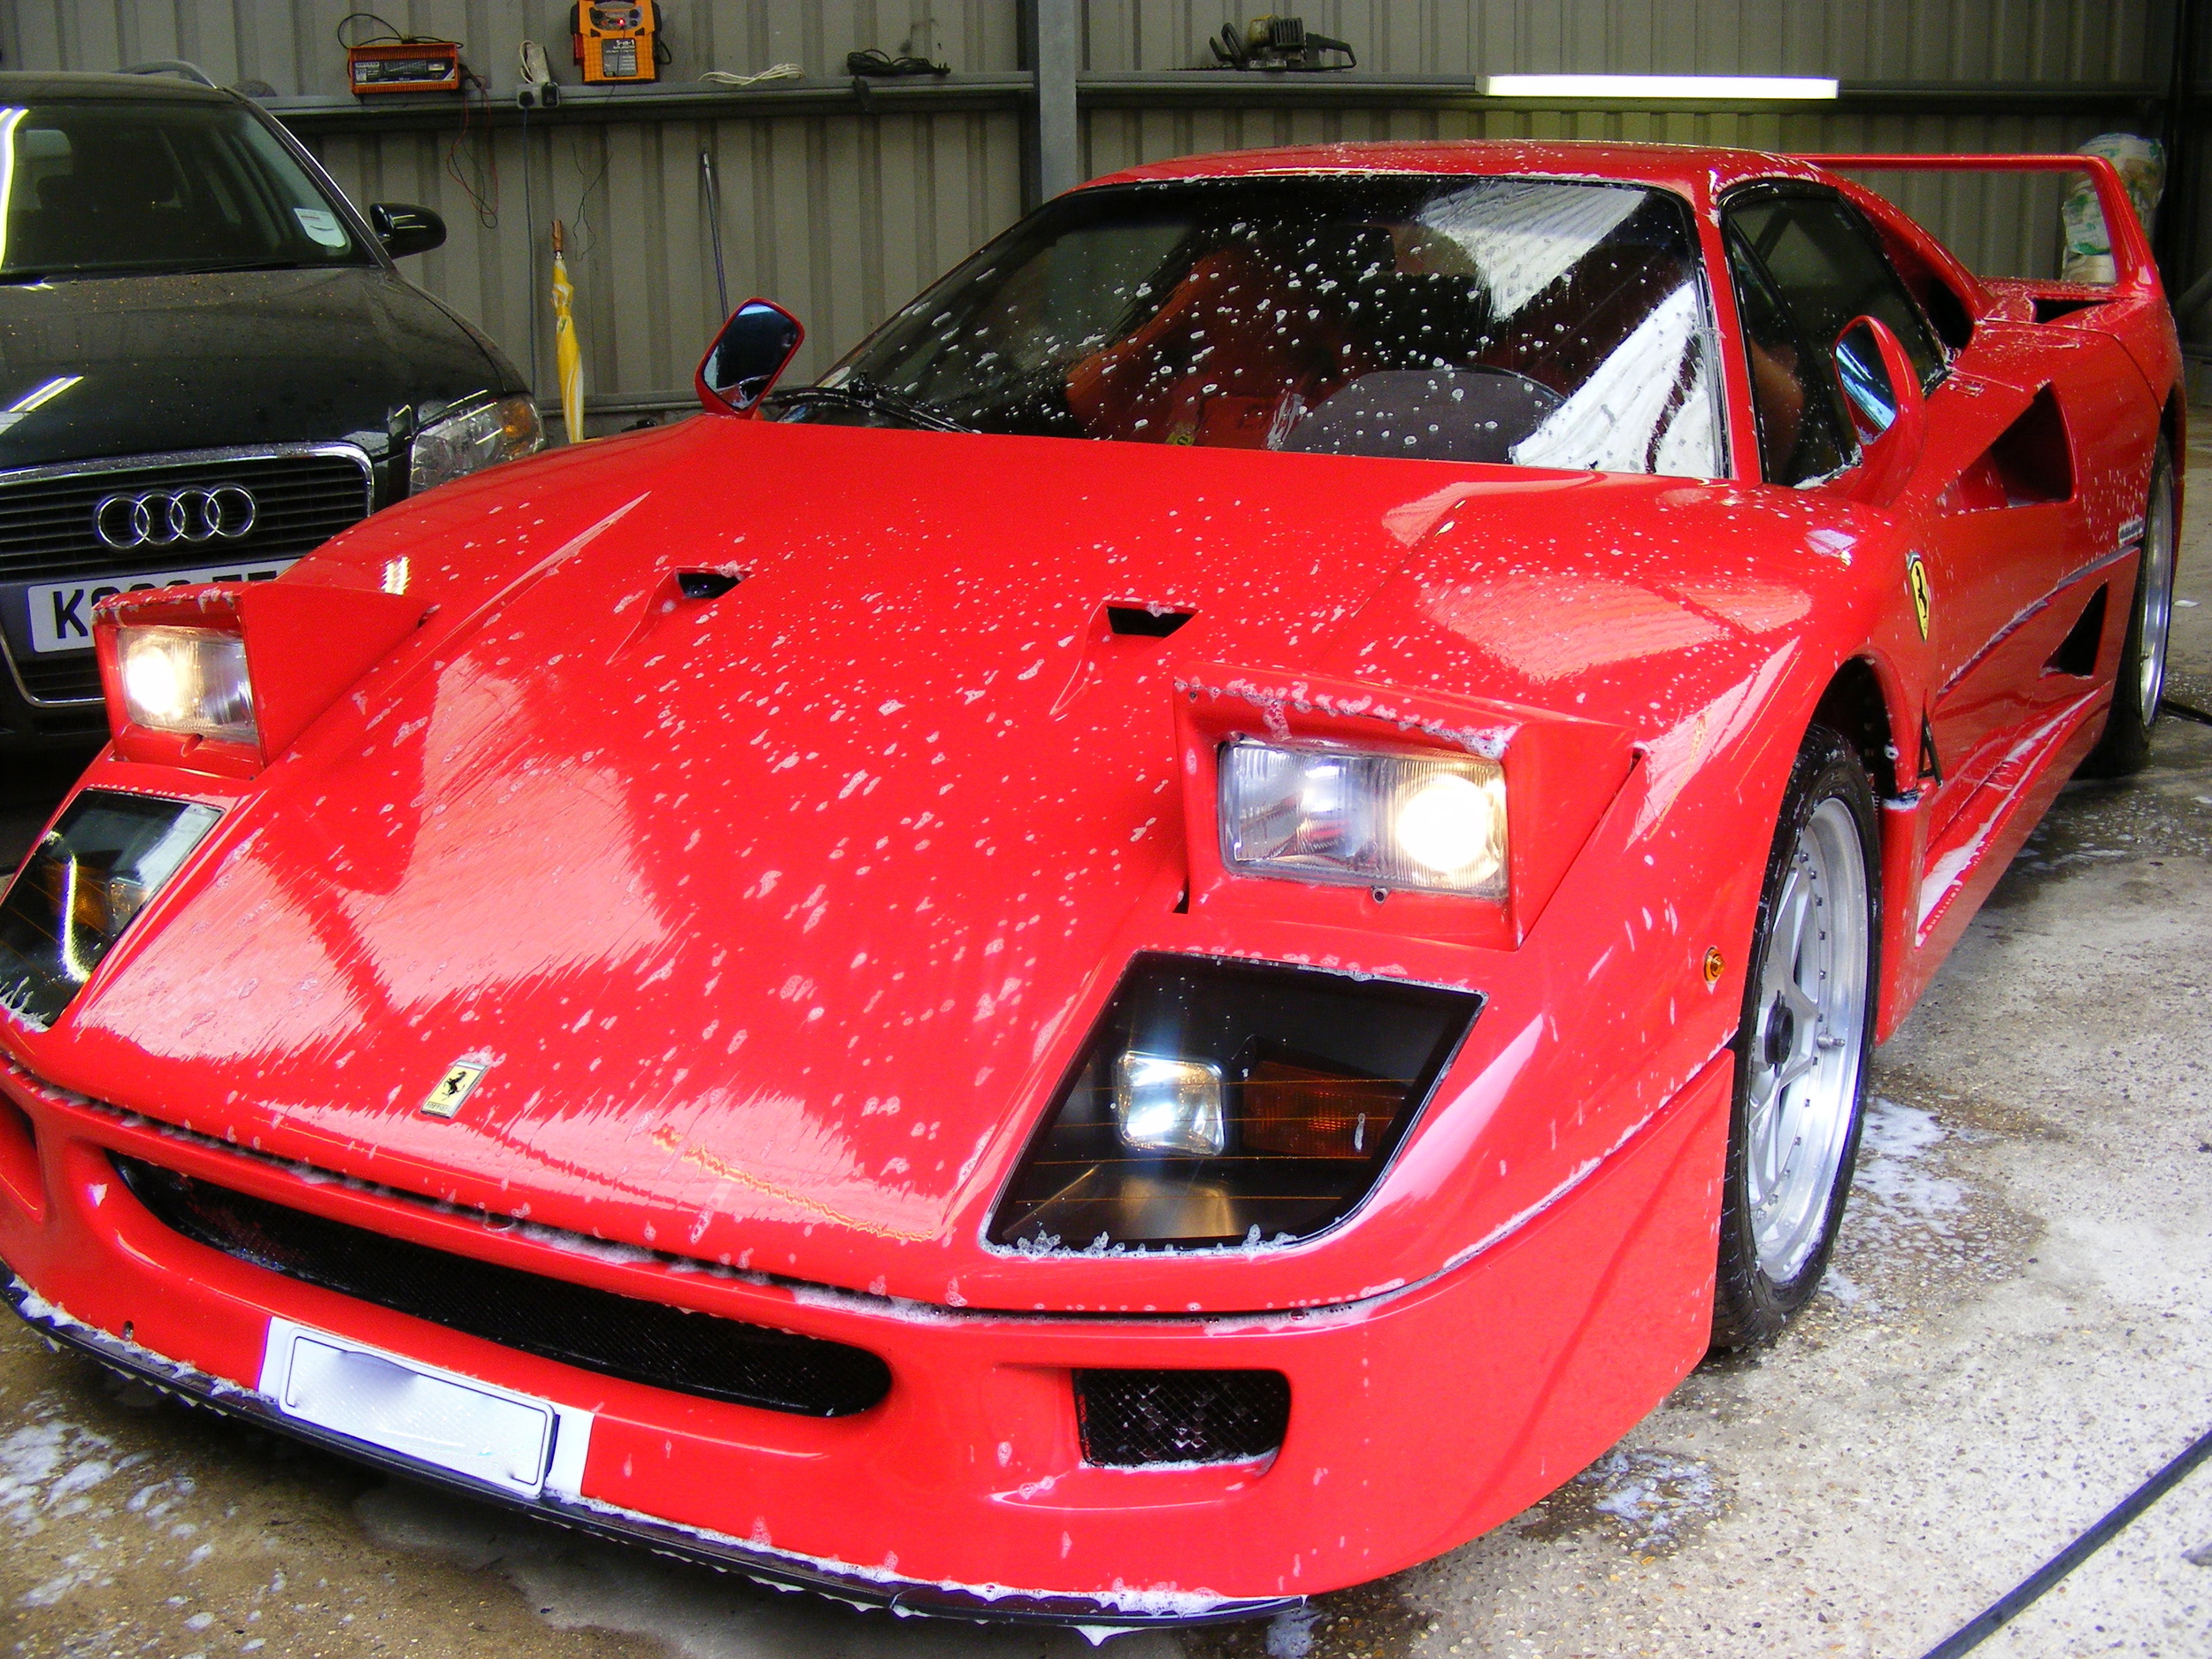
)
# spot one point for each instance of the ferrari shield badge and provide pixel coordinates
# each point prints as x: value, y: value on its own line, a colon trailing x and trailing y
x: 1917, y: 580
x: 454, y: 1087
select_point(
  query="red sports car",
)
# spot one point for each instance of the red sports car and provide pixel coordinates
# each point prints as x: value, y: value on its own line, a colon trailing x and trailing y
x: 1171, y: 944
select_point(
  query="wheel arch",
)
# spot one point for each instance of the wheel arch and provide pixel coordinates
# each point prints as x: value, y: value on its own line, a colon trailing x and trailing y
x: 1856, y: 706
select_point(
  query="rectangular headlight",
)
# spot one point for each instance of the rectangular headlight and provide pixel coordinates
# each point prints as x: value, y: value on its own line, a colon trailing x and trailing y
x: 82, y: 886
x: 1430, y: 823
x: 470, y: 436
x: 191, y: 681
x: 1227, y: 1102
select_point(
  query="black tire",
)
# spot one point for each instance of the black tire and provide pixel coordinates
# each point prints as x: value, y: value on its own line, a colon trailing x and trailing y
x: 2137, y: 685
x: 1751, y: 1303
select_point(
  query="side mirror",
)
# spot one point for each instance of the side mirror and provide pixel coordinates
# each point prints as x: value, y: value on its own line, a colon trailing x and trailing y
x: 404, y: 228
x: 753, y: 350
x: 1882, y: 391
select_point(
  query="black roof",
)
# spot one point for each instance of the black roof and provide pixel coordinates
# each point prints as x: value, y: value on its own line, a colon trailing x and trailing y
x: 29, y: 87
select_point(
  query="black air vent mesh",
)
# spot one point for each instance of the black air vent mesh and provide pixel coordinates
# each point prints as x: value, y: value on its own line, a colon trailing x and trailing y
x: 597, y: 1330
x: 1133, y: 1417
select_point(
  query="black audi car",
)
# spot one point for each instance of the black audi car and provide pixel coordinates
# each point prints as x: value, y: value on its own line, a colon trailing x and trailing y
x: 208, y: 366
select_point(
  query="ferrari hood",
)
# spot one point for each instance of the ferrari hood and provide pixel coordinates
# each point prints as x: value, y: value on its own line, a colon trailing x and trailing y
x: 761, y: 912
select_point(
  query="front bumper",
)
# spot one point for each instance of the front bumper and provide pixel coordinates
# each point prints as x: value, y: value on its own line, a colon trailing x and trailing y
x: 1419, y: 1418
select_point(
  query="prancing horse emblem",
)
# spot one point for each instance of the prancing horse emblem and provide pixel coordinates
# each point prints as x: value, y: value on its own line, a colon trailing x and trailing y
x: 455, y: 1086
x: 1917, y: 581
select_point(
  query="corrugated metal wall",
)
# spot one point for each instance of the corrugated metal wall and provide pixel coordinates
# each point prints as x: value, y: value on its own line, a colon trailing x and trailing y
x: 1858, y: 40
x: 843, y: 215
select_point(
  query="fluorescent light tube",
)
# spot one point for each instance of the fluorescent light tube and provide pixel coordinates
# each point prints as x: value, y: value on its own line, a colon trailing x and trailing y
x: 1626, y: 87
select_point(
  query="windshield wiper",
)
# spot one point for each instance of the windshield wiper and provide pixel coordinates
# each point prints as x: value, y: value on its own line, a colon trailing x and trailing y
x: 875, y: 400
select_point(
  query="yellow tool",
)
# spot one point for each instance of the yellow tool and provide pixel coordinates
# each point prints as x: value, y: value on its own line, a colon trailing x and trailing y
x: 618, y: 41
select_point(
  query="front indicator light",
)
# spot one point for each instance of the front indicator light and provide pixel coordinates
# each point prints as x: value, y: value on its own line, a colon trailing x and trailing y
x: 192, y: 681
x: 82, y: 886
x: 1307, y: 812
x: 1230, y: 1102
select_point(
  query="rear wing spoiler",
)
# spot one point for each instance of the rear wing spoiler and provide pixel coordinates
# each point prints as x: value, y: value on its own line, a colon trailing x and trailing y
x: 2133, y: 270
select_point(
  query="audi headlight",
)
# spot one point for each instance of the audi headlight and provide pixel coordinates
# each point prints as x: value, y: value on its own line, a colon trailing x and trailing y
x: 469, y: 436
x: 1230, y: 1102
x: 82, y: 886
x: 192, y: 681
x: 1430, y: 822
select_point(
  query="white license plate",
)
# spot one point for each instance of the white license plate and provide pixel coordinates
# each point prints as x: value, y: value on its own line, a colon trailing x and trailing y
x: 514, y: 1443
x: 61, y: 612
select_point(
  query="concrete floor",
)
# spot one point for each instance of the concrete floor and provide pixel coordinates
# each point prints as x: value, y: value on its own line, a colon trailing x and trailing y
x: 2016, y: 1332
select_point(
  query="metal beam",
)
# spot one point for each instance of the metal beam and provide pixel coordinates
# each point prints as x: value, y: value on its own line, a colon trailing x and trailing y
x: 1057, y: 131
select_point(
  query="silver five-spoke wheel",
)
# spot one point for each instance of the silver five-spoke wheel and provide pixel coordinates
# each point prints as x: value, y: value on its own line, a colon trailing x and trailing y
x: 1807, y: 1027
x: 1803, y: 1064
x: 2155, y: 602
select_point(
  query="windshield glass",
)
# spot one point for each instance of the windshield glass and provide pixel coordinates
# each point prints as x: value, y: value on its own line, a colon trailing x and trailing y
x: 112, y: 188
x: 1528, y: 321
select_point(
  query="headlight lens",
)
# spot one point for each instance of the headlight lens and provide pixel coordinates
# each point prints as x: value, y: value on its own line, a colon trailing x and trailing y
x: 1228, y: 1102
x: 82, y: 886
x: 1427, y: 822
x: 188, y: 680
x: 469, y: 436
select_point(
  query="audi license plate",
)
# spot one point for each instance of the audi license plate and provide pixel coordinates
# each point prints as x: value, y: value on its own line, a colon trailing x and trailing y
x: 61, y: 612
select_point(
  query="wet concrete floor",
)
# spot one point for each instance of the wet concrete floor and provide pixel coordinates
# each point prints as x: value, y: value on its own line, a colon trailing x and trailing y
x: 2017, y: 1331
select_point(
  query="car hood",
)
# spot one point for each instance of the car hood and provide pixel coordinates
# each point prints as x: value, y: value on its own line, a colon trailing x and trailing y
x: 770, y: 915
x: 225, y: 358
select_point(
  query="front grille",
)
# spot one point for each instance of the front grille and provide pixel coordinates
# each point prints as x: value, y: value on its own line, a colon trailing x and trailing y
x: 1133, y: 1417
x: 599, y: 1330
x: 60, y: 676
x: 301, y: 500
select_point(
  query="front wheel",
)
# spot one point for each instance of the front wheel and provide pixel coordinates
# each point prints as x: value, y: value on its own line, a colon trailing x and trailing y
x: 1802, y: 1047
x: 2140, y: 681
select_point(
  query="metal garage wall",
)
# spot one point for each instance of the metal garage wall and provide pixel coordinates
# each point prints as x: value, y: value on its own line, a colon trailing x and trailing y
x: 842, y: 219
x: 1855, y: 40
x: 290, y: 44
x: 843, y: 214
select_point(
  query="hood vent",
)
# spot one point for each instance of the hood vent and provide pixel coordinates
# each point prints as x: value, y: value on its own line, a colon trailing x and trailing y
x: 1145, y: 623
x: 706, y: 584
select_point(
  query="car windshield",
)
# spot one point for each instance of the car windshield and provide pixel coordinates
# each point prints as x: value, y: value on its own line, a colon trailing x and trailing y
x: 109, y: 188
x: 1528, y: 321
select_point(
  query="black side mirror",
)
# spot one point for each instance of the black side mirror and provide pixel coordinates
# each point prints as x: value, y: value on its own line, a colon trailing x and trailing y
x: 1882, y: 391
x: 754, y: 348
x: 404, y: 229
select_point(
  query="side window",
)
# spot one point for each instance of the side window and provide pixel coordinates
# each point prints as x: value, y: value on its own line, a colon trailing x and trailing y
x: 1802, y: 430
x: 1829, y: 266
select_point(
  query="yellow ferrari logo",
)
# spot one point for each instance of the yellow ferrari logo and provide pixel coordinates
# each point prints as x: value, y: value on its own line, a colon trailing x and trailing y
x: 455, y: 1086
x: 1917, y: 580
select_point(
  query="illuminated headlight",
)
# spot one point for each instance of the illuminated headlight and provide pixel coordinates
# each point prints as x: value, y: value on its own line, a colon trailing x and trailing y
x: 82, y: 886
x: 1227, y: 1102
x: 188, y: 680
x: 1162, y: 1104
x: 1428, y: 822
x: 469, y: 437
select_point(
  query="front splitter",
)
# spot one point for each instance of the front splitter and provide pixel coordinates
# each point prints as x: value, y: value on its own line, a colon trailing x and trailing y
x: 905, y: 1598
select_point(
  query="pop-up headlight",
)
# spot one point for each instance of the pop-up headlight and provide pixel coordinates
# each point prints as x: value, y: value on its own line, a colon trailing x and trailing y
x: 82, y: 886
x: 1429, y: 822
x: 191, y: 681
x: 1225, y: 1102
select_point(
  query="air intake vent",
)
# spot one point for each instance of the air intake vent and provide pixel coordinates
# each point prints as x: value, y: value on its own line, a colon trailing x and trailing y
x: 1132, y: 1418
x: 1143, y: 622
x: 598, y: 1331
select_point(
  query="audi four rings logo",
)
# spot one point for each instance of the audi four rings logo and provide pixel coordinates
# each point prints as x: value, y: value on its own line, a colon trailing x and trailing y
x: 161, y: 517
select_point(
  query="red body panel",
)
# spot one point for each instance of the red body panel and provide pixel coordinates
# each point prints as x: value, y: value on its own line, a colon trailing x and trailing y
x: 778, y: 918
